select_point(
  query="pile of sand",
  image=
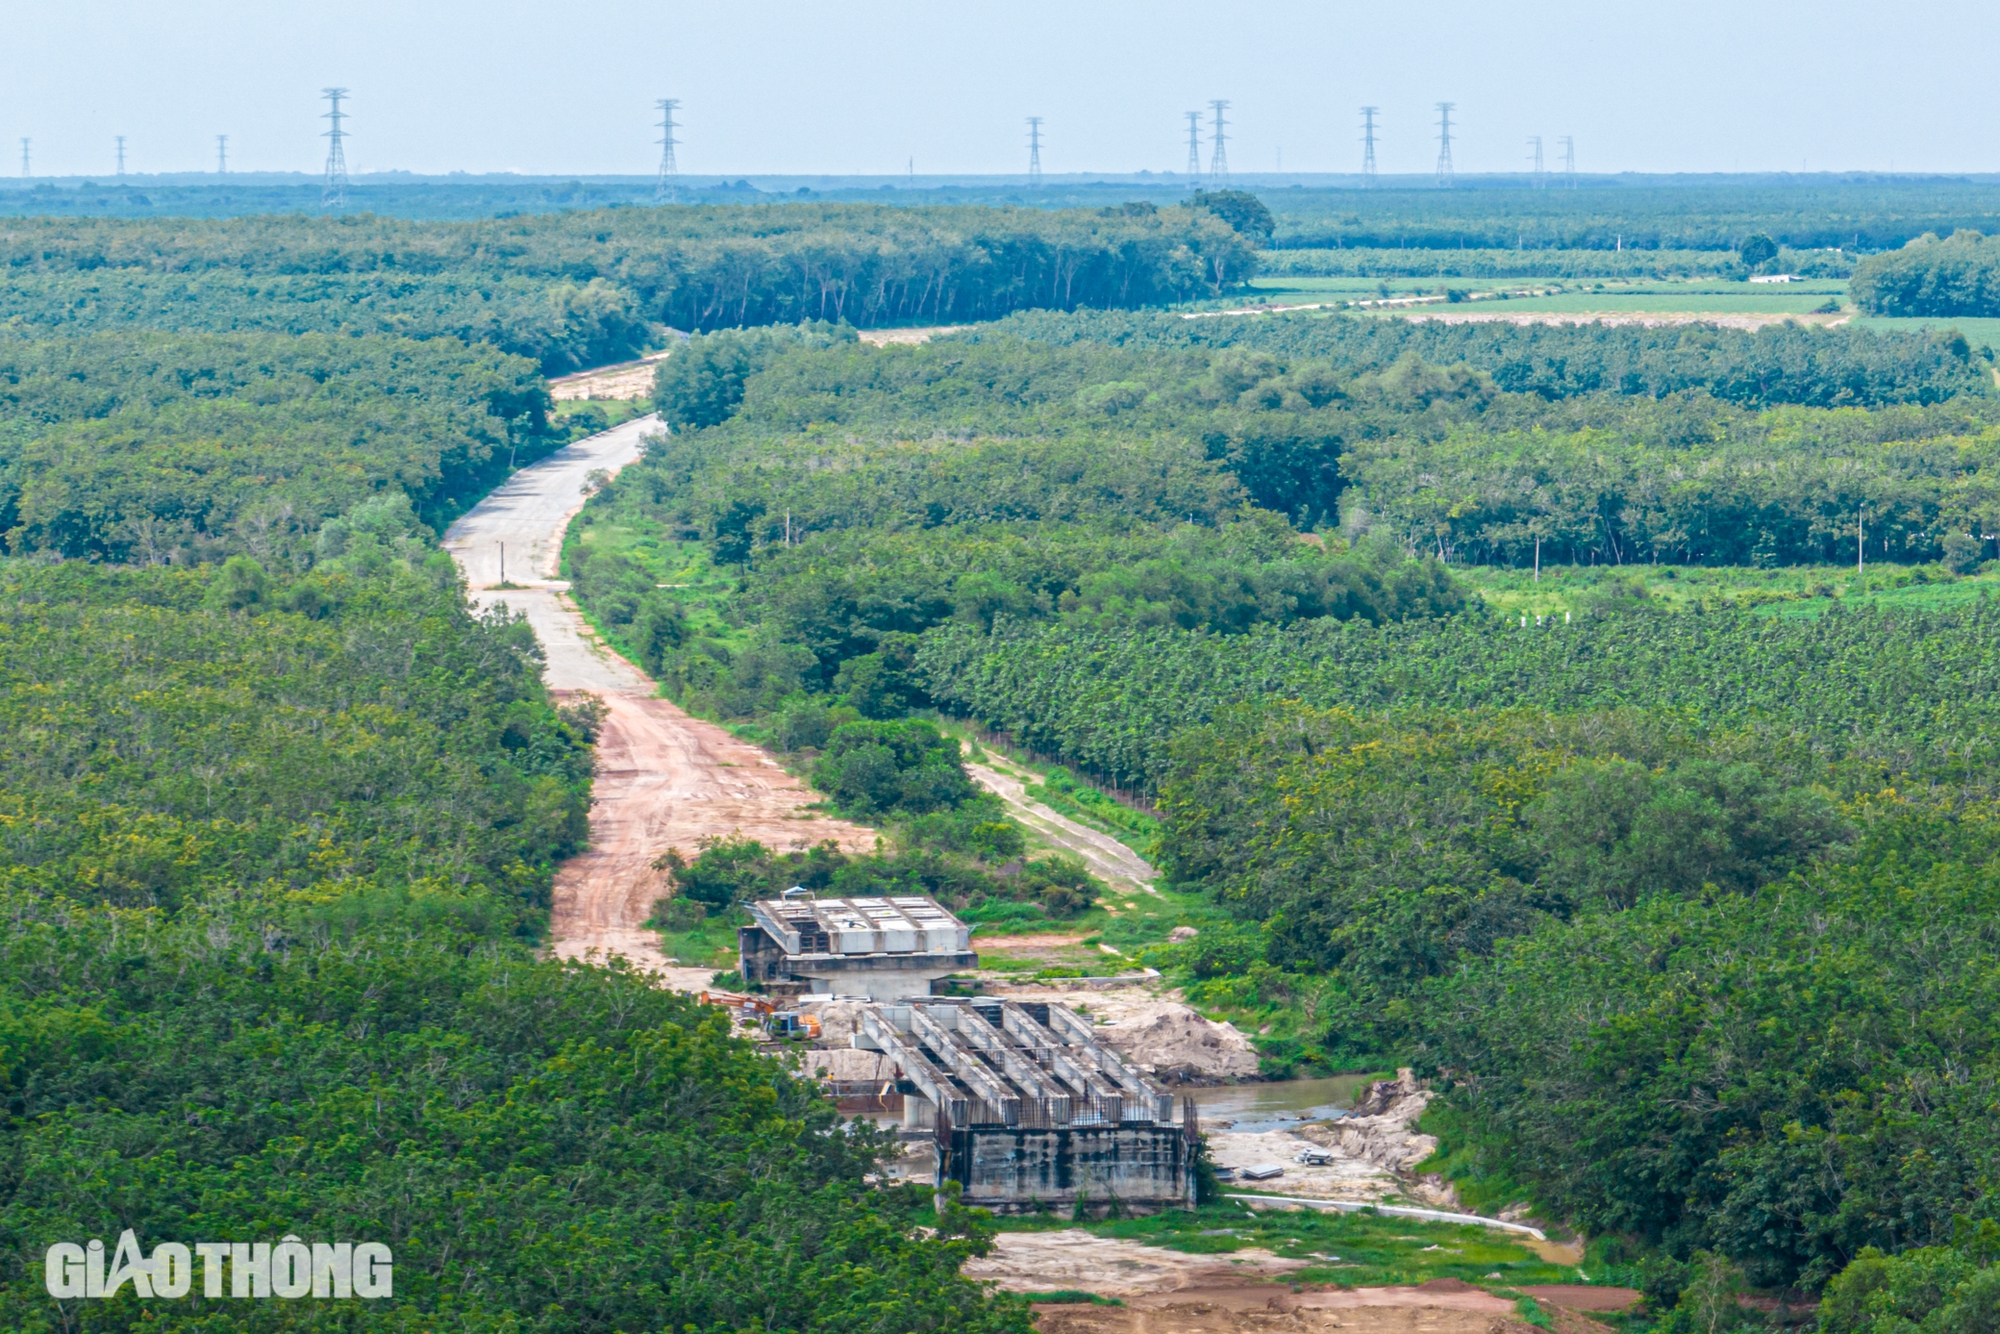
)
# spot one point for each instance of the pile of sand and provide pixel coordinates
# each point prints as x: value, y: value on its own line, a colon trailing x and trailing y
x: 1164, y: 1038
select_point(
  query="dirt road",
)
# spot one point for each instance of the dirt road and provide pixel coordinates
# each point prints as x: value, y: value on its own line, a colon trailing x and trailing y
x: 665, y: 780
x: 1107, y: 858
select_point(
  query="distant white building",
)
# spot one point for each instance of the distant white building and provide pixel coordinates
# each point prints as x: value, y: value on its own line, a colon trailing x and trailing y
x: 1778, y: 278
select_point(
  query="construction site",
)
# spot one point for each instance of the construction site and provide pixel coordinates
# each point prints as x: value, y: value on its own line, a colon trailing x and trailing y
x: 1021, y: 1102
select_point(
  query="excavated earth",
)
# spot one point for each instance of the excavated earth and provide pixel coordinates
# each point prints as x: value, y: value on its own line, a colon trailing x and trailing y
x: 664, y: 780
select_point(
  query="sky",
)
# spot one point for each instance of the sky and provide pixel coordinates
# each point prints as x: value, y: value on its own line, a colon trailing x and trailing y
x: 836, y: 87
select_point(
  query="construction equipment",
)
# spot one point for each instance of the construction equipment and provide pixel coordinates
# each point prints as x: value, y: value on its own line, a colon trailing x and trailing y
x: 764, y: 1014
x: 792, y: 1024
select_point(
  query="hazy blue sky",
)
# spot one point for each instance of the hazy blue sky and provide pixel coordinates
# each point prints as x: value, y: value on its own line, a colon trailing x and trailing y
x: 833, y: 86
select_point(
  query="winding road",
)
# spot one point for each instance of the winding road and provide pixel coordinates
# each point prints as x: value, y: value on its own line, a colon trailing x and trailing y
x: 664, y: 780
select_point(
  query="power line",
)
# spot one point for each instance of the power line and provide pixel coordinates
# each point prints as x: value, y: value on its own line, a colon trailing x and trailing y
x: 1445, y: 179
x: 334, y: 193
x: 1368, y: 146
x: 1218, y: 160
x: 668, y: 188
x: 1194, y: 145
x: 1541, y: 179
x: 1569, y: 161
x: 221, y: 155
x: 121, y: 153
x: 1034, y: 150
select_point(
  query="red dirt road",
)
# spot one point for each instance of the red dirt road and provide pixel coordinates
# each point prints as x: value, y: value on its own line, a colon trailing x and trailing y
x: 664, y: 780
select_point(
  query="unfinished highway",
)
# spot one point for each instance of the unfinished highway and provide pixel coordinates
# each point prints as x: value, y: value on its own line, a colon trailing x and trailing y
x: 664, y: 780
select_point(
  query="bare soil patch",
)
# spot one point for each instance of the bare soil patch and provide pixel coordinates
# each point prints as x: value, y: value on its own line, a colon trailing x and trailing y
x: 1582, y: 1297
x: 627, y: 379
x: 664, y: 780
x: 884, y: 337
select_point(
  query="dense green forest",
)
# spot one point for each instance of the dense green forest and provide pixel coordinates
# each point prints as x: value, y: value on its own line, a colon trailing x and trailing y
x: 1864, y: 215
x: 584, y: 288
x: 149, y: 448
x: 1959, y: 275
x: 279, y: 819
x: 1683, y: 903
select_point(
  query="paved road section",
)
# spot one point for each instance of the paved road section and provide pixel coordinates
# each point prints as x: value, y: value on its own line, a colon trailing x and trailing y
x: 664, y: 780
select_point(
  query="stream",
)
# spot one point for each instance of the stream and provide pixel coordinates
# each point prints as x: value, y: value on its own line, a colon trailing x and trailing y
x: 1257, y: 1108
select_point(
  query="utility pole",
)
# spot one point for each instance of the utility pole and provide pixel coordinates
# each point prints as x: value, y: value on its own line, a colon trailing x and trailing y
x: 121, y: 153
x: 1569, y: 161
x: 1194, y: 145
x: 25, y: 173
x: 221, y: 155
x: 333, y: 194
x: 1034, y: 150
x: 1218, y: 160
x: 1860, y: 541
x: 1541, y: 177
x: 668, y: 189
x: 1445, y: 179
x: 1368, y: 147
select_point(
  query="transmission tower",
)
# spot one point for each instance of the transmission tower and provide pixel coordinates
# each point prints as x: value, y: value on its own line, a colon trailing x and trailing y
x: 24, y: 158
x: 1445, y: 180
x: 221, y: 155
x: 668, y: 188
x: 1218, y: 160
x: 121, y: 153
x: 1541, y: 179
x: 1034, y: 150
x: 1368, y: 146
x: 1569, y: 161
x: 1194, y: 145
x: 333, y: 194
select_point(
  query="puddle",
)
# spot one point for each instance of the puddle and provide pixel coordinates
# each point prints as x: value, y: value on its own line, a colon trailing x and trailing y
x: 1255, y: 1108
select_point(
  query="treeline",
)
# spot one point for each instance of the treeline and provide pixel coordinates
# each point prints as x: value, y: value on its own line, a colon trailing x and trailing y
x: 583, y: 288
x: 1780, y: 364
x: 1864, y: 215
x: 1365, y: 262
x: 1959, y: 275
x: 149, y: 448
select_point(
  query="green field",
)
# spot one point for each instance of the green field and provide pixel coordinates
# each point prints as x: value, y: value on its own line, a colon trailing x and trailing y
x: 1581, y: 296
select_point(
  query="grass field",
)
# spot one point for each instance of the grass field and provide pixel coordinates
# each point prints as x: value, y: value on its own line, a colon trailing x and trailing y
x: 1978, y: 332
x: 1571, y: 296
x: 1354, y: 1250
x: 1805, y: 590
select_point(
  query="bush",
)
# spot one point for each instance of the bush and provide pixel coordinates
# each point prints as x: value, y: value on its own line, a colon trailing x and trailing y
x: 874, y: 768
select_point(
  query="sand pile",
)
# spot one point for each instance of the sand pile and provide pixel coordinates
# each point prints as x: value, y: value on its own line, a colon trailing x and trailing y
x: 1164, y: 1038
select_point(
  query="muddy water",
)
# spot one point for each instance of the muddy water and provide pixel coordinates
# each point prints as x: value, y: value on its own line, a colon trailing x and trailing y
x: 1261, y: 1107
